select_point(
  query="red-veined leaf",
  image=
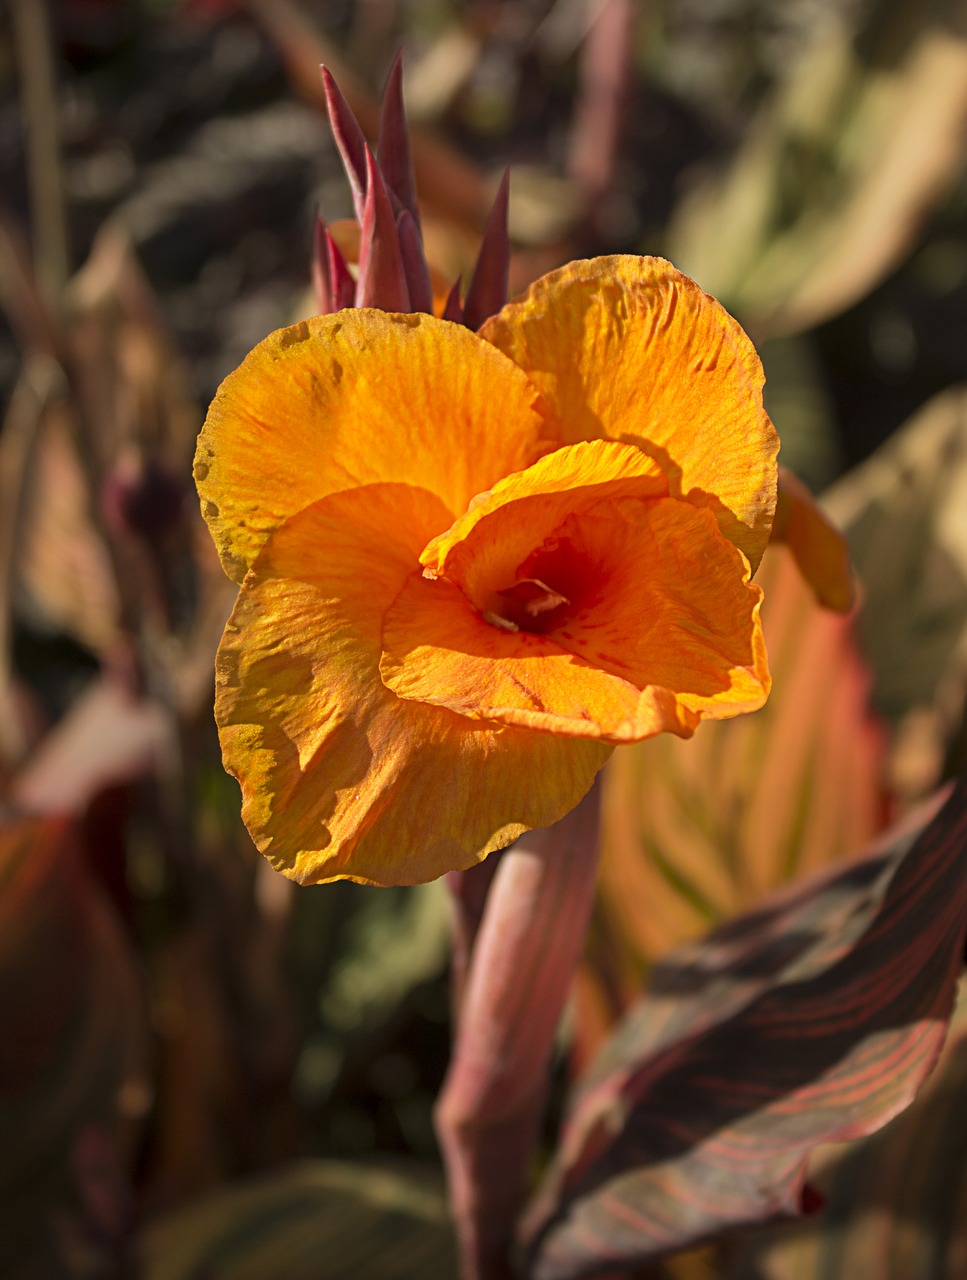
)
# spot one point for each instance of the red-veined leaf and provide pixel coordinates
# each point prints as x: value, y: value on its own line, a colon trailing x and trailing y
x: 813, y: 1020
x: 895, y: 1204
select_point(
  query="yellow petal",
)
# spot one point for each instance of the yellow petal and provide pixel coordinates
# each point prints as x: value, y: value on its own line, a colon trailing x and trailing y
x: 340, y: 778
x: 358, y: 398
x: 630, y: 349
x: 652, y: 623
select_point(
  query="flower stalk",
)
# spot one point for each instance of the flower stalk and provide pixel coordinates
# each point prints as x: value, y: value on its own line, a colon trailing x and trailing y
x: 489, y: 1113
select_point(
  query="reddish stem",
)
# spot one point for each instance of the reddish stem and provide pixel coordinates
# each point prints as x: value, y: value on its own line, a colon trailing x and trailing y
x: 489, y: 1113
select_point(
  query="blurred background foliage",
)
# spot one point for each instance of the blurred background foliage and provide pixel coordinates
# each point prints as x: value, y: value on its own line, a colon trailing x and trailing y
x: 203, y: 1071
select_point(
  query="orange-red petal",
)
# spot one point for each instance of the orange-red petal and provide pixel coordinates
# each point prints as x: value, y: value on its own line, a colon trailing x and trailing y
x: 483, y: 547
x: 358, y: 398
x: 630, y: 349
x: 340, y: 778
x: 662, y: 628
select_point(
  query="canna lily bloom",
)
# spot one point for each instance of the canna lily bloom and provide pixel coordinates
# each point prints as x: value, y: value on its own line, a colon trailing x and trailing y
x: 471, y: 564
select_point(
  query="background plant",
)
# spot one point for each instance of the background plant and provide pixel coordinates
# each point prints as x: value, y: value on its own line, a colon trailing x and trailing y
x: 216, y: 1025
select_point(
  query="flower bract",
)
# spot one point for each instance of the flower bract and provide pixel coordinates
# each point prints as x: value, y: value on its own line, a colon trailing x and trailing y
x: 472, y: 564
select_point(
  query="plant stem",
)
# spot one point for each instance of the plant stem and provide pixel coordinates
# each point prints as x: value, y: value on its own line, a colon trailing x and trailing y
x: 36, y: 63
x: 489, y: 1113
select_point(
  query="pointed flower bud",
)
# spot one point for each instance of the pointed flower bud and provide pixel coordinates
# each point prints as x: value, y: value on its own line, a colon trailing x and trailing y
x: 393, y: 271
x: 382, y: 280
x: 488, y: 284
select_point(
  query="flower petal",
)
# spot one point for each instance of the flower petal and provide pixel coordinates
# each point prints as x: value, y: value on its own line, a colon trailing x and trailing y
x: 484, y: 547
x: 357, y: 398
x: 628, y: 348
x: 661, y: 628
x: 818, y: 546
x: 439, y: 650
x: 340, y: 778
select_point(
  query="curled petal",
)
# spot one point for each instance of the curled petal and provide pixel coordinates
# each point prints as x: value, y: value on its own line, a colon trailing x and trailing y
x: 630, y: 349
x: 340, y: 778
x: 484, y: 547
x: 631, y: 615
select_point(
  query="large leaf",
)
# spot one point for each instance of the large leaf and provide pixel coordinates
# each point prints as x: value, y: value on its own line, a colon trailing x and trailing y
x: 895, y: 1205
x: 838, y: 171
x: 903, y: 514
x: 696, y: 831
x: 318, y: 1218
x: 815, y: 1019
x: 109, y: 736
x: 72, y: 1040
x: 64, y: 570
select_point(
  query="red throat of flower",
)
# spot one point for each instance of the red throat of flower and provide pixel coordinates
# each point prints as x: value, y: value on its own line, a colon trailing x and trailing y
x: 529, y: 605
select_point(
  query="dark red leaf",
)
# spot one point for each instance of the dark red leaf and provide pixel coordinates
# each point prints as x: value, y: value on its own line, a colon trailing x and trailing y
x: 414, y: 263
x: 453, y: 307
x: 488, y: 284
x: 320, y: 268
x: 816, y: 1019
x: 349, y: 139
x: 341, y: 283
x: 393, y: 144
x: 894, y: 1205
x: 382, y: 280
x: 73, y: 1054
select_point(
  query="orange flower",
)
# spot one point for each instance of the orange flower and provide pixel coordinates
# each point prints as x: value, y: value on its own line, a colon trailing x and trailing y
x: 472, y: 563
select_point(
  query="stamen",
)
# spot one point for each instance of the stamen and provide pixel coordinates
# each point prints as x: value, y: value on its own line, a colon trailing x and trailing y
x: 525, y: 606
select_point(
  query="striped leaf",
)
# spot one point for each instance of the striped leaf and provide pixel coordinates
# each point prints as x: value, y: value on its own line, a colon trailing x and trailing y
x: 895, y: 1205
x: 815, y: 1019
x: 838, y: 171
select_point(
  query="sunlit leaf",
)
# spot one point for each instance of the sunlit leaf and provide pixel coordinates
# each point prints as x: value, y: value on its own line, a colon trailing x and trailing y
x: 317, y: 1218
x: 837, y: 173
x: 64, y: 570
x: 815, y: 1019
x: 696, y: 831
x: 72, y: 1040
x: 904, y: 514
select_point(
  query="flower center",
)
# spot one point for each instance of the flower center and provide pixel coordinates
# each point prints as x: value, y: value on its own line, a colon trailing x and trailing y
x: 529, y: 605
